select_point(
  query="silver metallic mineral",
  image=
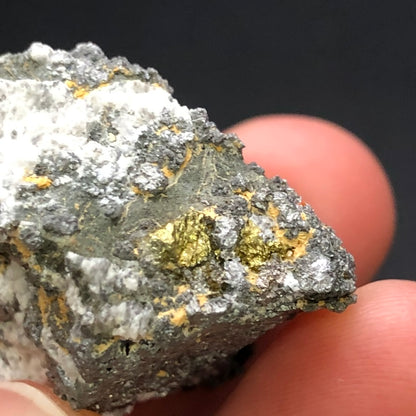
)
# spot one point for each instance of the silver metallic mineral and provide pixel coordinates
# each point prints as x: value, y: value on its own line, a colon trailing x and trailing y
x: 138, y: 252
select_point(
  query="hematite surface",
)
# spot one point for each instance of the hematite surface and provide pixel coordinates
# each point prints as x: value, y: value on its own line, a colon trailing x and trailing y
x: 138, y: 251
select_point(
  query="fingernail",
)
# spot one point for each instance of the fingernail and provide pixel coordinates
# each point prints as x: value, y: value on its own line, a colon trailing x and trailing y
x: 17, y: 398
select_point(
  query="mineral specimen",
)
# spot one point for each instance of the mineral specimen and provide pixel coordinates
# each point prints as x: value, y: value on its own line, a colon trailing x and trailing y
x: 138, y: 252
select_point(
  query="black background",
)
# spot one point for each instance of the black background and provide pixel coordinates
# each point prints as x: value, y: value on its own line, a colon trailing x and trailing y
x: 352, y: 62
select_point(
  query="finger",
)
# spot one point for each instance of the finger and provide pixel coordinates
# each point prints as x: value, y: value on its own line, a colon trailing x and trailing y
x: 28, y: 399
x: 359, y: 362
x: 334, y: 172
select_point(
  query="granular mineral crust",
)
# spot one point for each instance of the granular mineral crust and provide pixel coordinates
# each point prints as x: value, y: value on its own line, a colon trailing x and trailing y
x: 138, y: 252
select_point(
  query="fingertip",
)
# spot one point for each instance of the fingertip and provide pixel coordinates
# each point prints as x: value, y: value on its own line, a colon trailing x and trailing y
x: 333, y: 171
x: 358, y: 362
x: 29, y: 399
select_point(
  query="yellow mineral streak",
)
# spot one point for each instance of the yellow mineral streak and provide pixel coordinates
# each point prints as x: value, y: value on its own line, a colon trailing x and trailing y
x: 202, y: 299
x: 177, y: 317
x: 176, y: 175
x: 247, y: 195
x: 238, y: 144
x: 37, y: 268
x: 45, y: 303
x: 167, y: 172
x: 162, y: 373
x: 62, y: 317
x: 210, y: 212
x: 173, y: 128
x: 145, y: 194
x: 21, y: 247
x: 218, y: 148
x: 163, y: 300
x: 79, y: 91
x: 252, y: 277
x: 272, y: 211
x: 136, y: 190
x: 295, y: 247
x: 42, y: 182
x: 120, y: 69
x: 102, y: 348
x: 182, y: 288
x: 3, y: 264
x: 188, y: 157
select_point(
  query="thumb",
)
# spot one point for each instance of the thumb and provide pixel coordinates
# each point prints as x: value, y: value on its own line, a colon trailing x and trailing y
x: 24, y: 399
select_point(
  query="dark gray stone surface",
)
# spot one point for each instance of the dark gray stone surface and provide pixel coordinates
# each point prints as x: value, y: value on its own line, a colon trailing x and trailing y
x: 151, y: 252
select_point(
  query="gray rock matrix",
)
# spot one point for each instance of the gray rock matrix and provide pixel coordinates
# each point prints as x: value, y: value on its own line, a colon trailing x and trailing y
x: 138, y: 252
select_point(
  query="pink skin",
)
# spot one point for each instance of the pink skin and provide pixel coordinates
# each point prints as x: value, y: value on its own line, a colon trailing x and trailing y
x: 358, y: 362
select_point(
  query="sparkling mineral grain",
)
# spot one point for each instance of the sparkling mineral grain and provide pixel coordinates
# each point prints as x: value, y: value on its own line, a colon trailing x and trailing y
x: 138, y: 252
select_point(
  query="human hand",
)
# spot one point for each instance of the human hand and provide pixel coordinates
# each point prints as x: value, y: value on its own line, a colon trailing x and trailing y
x: 358, y: 362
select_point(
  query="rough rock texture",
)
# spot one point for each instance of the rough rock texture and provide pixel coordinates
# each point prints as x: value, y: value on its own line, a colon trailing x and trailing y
x: 138, y: 251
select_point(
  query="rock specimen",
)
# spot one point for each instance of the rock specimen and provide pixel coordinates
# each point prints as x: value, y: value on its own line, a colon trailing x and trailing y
x: 138, y: 252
